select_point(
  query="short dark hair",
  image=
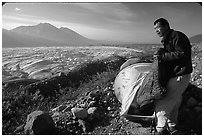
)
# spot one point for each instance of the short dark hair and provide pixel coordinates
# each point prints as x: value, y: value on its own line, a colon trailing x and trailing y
x: 163, y: 22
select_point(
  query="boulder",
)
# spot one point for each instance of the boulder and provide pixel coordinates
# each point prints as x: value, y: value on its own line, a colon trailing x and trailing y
x: 79, y: 113
x: 39, y: 123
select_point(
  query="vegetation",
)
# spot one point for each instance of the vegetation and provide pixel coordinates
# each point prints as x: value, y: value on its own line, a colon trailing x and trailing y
x: 20, y: 99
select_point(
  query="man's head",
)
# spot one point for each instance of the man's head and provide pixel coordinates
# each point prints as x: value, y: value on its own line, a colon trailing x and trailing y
x: 161, y: 26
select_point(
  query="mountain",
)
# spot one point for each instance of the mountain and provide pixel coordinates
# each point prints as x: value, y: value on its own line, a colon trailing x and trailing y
x: 43, y: 34
x: 12, y: 39
x: 196, y: 39
x: 8, y: 40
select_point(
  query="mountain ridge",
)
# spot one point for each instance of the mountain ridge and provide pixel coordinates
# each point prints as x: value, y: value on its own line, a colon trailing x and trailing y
x: 46, y: 34
x: 196, y: 38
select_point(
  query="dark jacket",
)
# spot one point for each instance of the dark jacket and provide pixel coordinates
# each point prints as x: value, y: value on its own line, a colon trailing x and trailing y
x: 176, y: 57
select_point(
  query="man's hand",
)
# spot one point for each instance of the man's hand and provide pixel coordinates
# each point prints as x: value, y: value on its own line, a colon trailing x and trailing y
x: 158, y: 54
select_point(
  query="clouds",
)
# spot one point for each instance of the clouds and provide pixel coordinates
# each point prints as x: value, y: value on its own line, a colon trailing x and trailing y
x: 100, y: 15
x: 107, y: 10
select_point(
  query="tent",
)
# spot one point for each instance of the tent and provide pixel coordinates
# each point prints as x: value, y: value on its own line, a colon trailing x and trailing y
x: 127, y: 82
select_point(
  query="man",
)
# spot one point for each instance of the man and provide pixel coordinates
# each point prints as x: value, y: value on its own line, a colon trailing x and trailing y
x: 176, y: 61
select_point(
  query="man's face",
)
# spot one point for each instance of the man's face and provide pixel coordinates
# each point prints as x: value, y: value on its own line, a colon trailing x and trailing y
x: 160, y: 30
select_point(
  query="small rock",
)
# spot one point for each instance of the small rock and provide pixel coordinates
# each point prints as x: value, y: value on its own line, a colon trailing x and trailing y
x: 39, y: 123
x: 109, y: 108
x: 91, y: 110
x: 108, y: 94
x: 105, y: 101
x: 79, y: 113
x: 192, y: 102
x: 68, y: 123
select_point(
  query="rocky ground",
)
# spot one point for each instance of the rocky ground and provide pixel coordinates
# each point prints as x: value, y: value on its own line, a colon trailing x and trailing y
x: 94, y: 110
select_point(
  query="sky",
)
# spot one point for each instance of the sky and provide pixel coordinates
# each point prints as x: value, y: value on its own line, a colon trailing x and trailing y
x: 115, y: 21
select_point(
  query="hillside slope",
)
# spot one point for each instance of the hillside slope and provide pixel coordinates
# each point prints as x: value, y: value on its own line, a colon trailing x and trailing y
x: 196, y: 39
x: 91, y: 85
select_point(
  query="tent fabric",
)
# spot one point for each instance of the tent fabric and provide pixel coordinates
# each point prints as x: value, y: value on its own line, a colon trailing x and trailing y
x: 128, y: 81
